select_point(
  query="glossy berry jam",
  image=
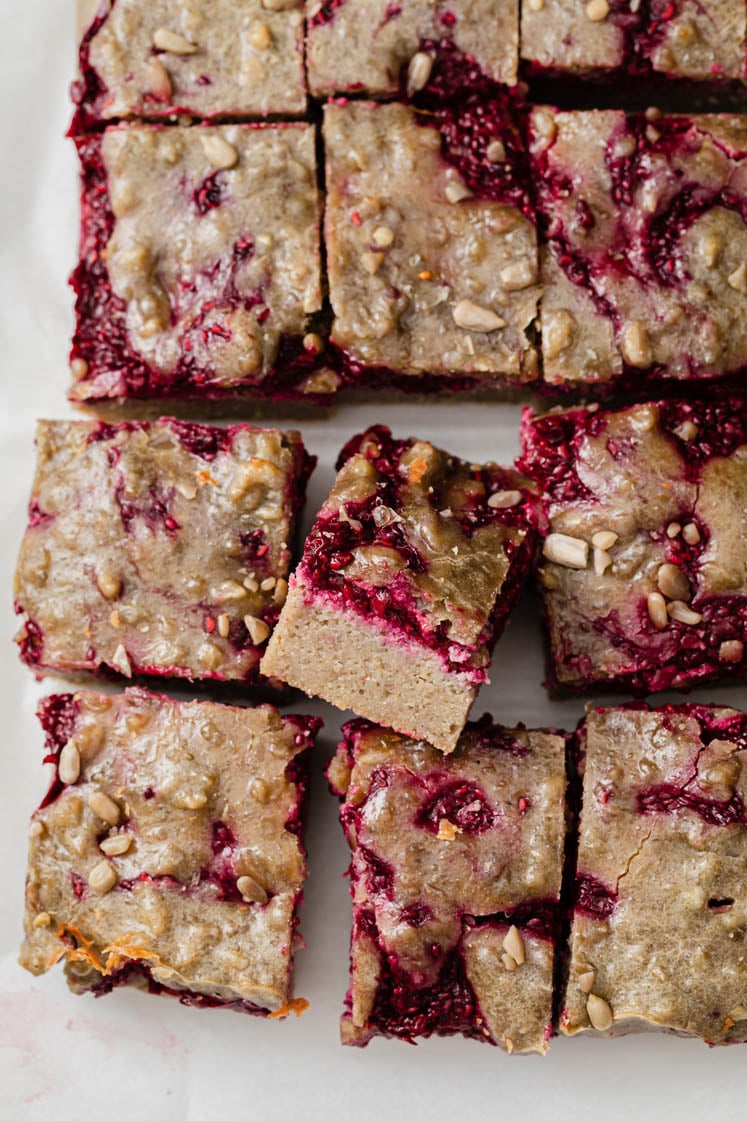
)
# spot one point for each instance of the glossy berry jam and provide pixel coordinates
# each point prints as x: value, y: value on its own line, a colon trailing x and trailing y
x: 463, y: 804
x: 471, y: 111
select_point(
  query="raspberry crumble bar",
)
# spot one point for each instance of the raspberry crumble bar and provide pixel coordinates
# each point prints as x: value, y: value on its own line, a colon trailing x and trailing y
x: 685, y: 39
x: 358, y: 46
x: 406, y: 581
x: 163, y: 58
x: 431, y: 244
x: 168, y: 851
x: 157, y: 548
x: 645, y: 566
x: 645, y: 225
x: 455, y: 878
x: 199, y: 262
x: 660, y: 899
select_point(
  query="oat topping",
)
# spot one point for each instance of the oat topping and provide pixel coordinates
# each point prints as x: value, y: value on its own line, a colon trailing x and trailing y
x: 198, y: 895
x: 643, y: 267
x: 120, y: 570
x: 655, y: 608
x: 427, y: 273
x: 157, y: 58
x: 200, y: 261
x: 657, y: 938
x: 458, y: 936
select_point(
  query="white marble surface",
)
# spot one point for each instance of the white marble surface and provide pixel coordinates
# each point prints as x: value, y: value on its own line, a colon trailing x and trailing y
x: 149, y: 1059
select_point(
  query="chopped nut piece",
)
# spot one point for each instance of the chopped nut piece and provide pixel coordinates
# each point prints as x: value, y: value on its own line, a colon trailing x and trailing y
x: 172, y: 41
x: 251, y: 584
x: 604, y: 539
x: 657, y: 610
x: 673, y: 583
x: 472, y: 317
x: 187, y: 490
x: 674, y: 529
x: 597, y: 10
x: 635, y: 345
x: 42, y: 919
x: 116, y: 845
x: 224, y: 625
x: 419, y: 71
x: 513, y: 944
x: 586, y: 981
x: 496, y: 151
x: 281, y: 591
x: 738, y: 279
x: 504, y: 499
x: 518, y: 275
x: 250, y: 890
x: 121, y: 662
x: 681, y: 613
x: 257, y: 628
x: 691, y: 533
x: 159, y: 80
x: 383, y: 237
x: 372, y: 262
x: 268, y: 584
x: 456, y: 191
x: 68, y: 767
x: 102, y: 877
x: 686, y: 431
x: 228, y: 591
x: 109, y: 584
x: 220, y: 153
x: 313, y: 343
x: 599, y: 1011
x: 259, y: 36
x: 104, y: 807
x: 447, y: 830
x: 571, y: 552
x: 731, y: 651
x: 509, y: 962
x: 602, y: 561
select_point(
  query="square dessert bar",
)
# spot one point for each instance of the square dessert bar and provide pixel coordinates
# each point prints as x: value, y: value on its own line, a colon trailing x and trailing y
x: 168, y: 851
x: 686, y: 39
x: 660, y: 898
x: 163, y: 58
x: 645, y: 232
x: 431, y: 244
x: 376, y: 47
x: 645, y: 566
x: 455, y: 878
x: 406, y: 580
x: 157, y: 548
x: 199, y: 262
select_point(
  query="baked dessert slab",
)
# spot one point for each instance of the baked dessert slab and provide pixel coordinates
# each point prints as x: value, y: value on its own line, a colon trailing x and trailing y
x: 363, y: 46
x: 686, y: 40
x: 644, y: 245
x: 168, y: 851
x: 455, y: 878
x: 157, y: 548
x: 658, y: 929
x: 199, y: 267
x: 161, y: 59
x: 407, y: 579
x: 644, y: 571
x: 431, y: 244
